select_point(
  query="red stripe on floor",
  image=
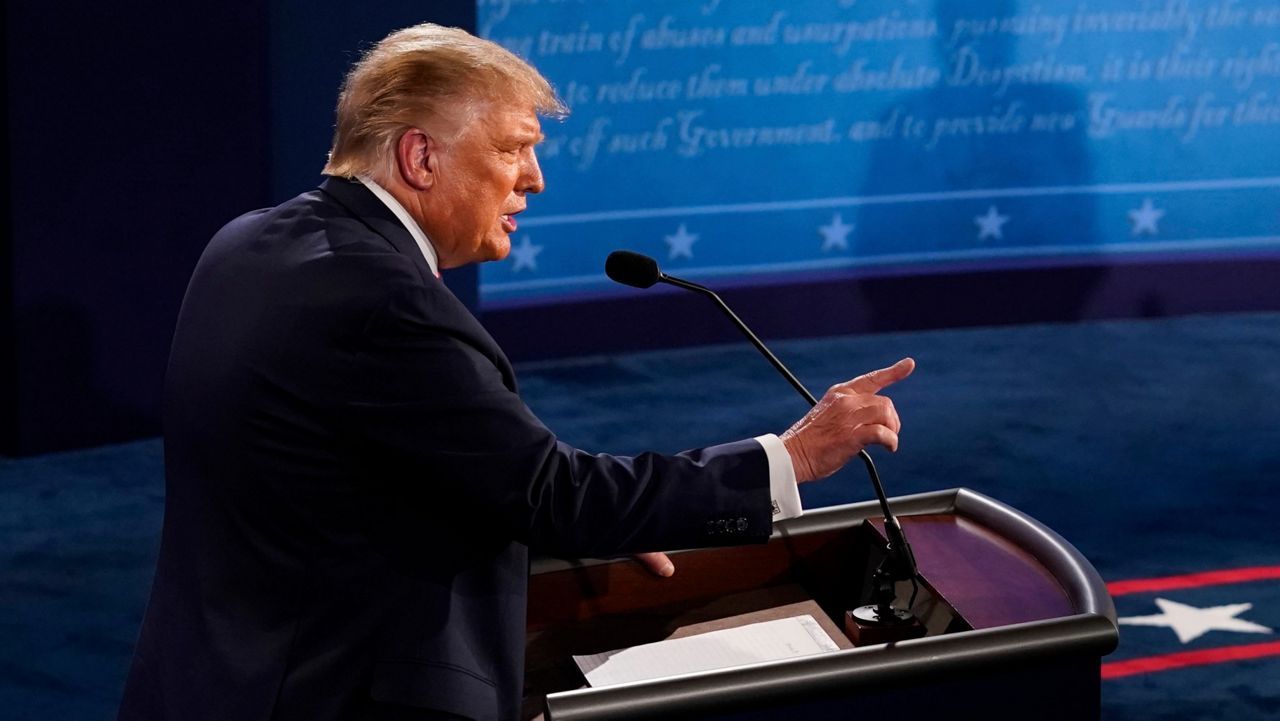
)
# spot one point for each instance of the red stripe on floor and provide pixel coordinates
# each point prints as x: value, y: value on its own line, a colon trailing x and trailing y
x: 1183, y: 659
x: 1194, y: 580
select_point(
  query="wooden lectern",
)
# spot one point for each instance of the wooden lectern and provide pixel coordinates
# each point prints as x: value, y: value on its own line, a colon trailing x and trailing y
x: 1017, y: 622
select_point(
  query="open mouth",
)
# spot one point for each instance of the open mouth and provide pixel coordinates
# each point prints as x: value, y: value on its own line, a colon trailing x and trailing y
x: 509, y: 222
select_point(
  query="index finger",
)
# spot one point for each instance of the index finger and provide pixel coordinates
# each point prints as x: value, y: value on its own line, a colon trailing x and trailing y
x: 876, y: 380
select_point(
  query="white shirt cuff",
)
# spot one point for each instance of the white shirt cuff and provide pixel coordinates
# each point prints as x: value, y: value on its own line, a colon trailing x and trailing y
x: 782, y: 479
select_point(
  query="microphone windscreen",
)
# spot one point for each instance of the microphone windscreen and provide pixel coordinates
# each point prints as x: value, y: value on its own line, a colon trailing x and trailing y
x: 633, y: 269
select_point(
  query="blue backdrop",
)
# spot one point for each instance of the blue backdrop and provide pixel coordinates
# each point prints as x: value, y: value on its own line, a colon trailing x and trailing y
x: 892, y: 165
x: 738, y: 139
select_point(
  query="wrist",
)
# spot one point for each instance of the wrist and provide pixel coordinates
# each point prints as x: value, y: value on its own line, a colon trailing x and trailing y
x: 799, y: 461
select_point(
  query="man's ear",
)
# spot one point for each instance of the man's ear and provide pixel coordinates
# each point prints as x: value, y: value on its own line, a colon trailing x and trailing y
x: 417, y: 158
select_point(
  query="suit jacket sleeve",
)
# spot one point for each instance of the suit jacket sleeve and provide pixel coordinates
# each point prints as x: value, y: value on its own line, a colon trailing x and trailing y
x: 434, y: 412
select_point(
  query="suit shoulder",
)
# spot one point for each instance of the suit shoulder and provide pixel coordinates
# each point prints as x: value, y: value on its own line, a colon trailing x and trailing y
x: 308, y: 229
x: 305, y: 214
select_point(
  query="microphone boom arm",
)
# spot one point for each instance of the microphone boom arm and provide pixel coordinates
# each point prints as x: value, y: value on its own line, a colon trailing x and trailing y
x: 900, y: 556
x: 795, y: 382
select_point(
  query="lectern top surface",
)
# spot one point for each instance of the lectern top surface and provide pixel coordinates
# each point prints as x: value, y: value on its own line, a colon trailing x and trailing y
x: 987, y: 579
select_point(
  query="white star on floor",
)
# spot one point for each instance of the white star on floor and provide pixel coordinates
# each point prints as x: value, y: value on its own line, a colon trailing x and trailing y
x: 681, y: 243
x: 525, y: 255
x: 1191, y: 623
x: 836, y: 235
x: 1144, y: 219
x: 990, y: 225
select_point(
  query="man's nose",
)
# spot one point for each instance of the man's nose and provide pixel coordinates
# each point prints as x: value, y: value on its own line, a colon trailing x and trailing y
x: 531, y: 179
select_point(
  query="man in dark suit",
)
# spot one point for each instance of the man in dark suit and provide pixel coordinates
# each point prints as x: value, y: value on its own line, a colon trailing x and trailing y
x: 353, y: 483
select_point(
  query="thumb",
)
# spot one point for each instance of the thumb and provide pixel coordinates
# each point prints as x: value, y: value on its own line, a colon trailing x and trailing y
x: 657, y: 562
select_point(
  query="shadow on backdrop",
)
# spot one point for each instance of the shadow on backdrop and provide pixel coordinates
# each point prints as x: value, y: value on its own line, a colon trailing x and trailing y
x: 1048, y: 148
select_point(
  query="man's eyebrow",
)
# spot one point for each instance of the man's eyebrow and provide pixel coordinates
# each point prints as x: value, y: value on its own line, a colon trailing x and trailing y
x: 529, y: 139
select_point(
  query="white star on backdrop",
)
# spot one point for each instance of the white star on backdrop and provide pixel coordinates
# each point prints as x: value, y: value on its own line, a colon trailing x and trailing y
x: 681, y: 243
x: 991, y: 224
x: 1144, y: 219
x: 1191, y: 623
x: 835, y: 236
x: 525, y: 255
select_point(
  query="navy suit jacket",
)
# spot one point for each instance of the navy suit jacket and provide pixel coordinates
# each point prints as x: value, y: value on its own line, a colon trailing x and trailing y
x: 353, y: 486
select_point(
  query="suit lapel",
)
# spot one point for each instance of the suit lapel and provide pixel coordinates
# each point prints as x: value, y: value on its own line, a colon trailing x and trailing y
x: 362, y: 203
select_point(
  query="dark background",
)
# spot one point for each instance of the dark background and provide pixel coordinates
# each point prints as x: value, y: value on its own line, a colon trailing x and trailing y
x: 136, y: 130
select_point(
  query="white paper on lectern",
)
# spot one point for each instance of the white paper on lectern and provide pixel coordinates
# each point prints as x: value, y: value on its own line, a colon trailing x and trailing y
x: 753, y: 643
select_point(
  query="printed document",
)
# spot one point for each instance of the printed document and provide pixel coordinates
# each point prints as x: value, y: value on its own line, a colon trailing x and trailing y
x: 767, y: 641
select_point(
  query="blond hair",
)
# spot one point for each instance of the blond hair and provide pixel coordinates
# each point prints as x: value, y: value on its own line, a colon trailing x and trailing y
x: 410, y: 77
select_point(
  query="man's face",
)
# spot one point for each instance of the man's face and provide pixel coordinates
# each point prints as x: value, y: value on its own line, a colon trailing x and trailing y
x: 483, y: 174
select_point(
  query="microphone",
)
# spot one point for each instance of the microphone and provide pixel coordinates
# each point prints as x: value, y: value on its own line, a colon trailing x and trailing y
x: 633, y: 269
x: 899, y: 564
